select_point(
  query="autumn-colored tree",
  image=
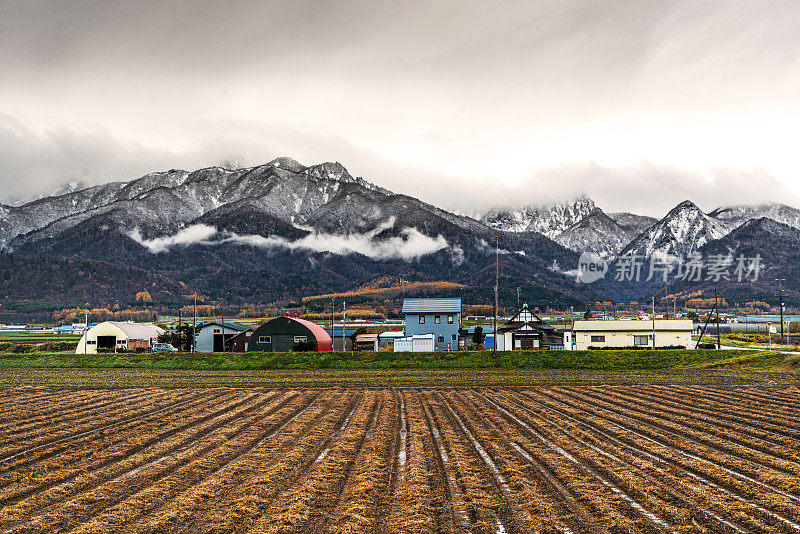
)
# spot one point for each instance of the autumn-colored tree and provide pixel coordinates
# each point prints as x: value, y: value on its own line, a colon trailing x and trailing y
x: 144, y: 296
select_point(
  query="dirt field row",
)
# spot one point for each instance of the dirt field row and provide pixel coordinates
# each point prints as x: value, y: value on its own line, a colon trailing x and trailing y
x: 567, y: 459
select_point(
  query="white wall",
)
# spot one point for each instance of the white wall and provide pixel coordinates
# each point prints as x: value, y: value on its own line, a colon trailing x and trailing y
x: 103, y: 329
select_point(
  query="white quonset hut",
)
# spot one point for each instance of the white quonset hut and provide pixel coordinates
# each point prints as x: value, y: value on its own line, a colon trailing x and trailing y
x: 115, y: 335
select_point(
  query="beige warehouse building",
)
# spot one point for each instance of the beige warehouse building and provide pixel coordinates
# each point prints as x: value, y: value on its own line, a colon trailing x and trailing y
x: 598, y: 334
x: 115, y: 335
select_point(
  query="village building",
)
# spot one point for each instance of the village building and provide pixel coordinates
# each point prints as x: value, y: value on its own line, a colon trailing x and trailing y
x: 600, y: 334
x: 116, y: 335
x: 284, y: 334
x: 239, y: 342
x: 366, y: 342
x: 342, y: 339
x: 212, y: 336
x: 440, y: 317
x: 527, y: 331
x: 386, y: 339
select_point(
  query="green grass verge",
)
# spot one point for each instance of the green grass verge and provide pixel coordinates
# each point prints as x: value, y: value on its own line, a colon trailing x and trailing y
x: 605, y: 359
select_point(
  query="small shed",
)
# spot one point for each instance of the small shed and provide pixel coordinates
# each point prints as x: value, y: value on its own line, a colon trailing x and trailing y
x: 342, y: 340
x: 387, y: 339
x: 115, y: 335
x: 366, y: 342
x: 282, y: 334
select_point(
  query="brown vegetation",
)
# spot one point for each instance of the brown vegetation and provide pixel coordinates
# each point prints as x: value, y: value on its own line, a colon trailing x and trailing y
x: 600, y: 459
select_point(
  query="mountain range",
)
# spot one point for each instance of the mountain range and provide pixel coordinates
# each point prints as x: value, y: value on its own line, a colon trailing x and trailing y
x: 274, y: 232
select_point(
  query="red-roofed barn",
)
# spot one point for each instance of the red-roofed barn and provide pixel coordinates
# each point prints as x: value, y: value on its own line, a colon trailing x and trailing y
x: 282, y: 334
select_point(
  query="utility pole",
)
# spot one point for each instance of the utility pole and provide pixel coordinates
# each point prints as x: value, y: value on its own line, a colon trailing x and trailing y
x: 716, y: 305
x: 344, y: 320
x: 194, y: 322
x: 496, y: 282
x: 333, y: 314
x: 222, y: 312
x: 780, y: 300
x: 180, y: 335
x: 654, y: 322
x: 85, y: 330
x: 517, y: 299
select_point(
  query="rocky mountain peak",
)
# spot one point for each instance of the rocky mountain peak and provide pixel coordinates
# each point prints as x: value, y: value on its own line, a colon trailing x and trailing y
x: 287, y: 164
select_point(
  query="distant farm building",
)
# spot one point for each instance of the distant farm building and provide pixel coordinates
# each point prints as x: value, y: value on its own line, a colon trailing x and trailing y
x: 239, y: 342
x: 284, y: 334
x: 387, y: 339
x: 599, y: 334
x: 527, y: 331
x: 115, y: 335
x: 212, y: 337
x: 342, y: 340
x: 366, y: 342
x: 440, y: 317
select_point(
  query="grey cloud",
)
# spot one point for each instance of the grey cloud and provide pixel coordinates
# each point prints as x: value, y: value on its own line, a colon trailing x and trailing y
x: 463, y: 104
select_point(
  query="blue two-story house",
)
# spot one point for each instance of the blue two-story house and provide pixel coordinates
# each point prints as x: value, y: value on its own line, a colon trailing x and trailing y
x: 440, y: 317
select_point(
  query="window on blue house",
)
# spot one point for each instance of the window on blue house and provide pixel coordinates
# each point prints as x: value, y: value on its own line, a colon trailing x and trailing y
x: 449, y: 319
x: 421, y: 319
x: 441, y: 339
x: 437, y: 319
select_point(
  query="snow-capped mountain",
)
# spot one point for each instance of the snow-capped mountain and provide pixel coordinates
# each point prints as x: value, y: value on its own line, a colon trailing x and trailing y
x: 634, y: 224
x: 733, y: 216
x: 682, y: 231
x: 578, y: 225
x: 323, y: 196
x: 550, y: 220
x: 282, y: 228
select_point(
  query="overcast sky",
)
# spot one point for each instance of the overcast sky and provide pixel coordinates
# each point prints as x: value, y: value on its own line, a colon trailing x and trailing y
x: 466, y: 104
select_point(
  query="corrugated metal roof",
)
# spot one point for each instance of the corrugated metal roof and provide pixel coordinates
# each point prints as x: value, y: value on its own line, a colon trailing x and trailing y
x: 138, y: 330
x: 633, y: 326
x: 338, y: 332
x: 392, y: 333
x: 432, y: 305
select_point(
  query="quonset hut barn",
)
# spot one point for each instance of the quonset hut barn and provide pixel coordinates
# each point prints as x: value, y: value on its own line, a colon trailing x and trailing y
x: 283, y: 334
x: 116, y: 335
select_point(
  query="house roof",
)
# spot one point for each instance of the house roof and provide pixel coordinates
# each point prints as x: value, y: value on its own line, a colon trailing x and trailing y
x: 432, y: 305
x: 525, y: 320
x: 227, y: 324
x: 366, y: 337
x: 324, y: 341
x: 392, y: 333
x: 338, y: 332
x: 138, y: 330
x: 675, y: 325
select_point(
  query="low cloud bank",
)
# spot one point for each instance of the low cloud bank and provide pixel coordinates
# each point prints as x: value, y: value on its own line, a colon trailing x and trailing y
x: 410, y: 244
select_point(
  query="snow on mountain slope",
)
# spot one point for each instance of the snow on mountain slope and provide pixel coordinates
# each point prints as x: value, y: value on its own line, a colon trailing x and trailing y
x: 596, y: 233
x: 734, y: 216
x: 635, y: 224
x: 323, y: 197
x: 682, y: 231
x: 549, y: 220
x: 578, y: 225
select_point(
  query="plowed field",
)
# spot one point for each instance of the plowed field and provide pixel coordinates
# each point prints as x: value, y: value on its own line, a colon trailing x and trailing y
x: 569, y: 459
